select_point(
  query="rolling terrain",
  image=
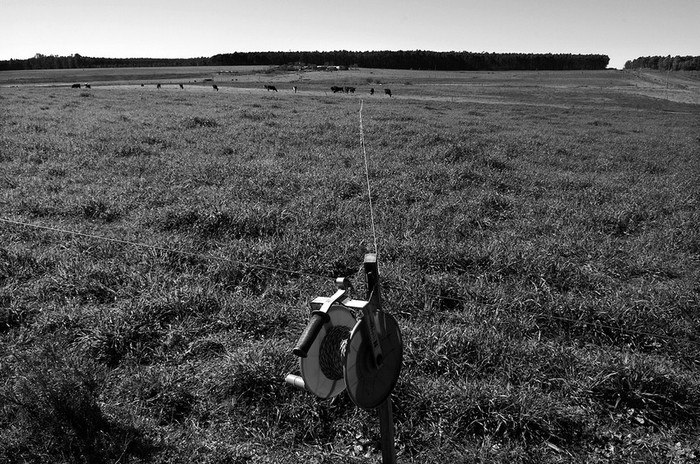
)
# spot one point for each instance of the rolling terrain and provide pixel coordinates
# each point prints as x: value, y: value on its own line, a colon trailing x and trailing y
x: 537, y: 239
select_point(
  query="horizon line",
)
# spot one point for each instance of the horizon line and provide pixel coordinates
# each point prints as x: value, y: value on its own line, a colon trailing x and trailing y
x: 305, y: 51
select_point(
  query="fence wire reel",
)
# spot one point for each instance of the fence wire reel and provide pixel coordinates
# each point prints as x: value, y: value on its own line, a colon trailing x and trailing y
x: 364, y: 356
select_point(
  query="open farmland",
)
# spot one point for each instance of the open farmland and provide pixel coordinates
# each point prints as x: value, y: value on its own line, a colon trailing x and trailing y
x: 538, y: 243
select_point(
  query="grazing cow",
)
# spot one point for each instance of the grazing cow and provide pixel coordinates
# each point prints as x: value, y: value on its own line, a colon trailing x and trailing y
x: 270, y: 87
x: 295, y: 89
x: 75, y: 86
x: 182, y: 86
x: 371, y: 91
x: 141, y: 85
x: 336, y: 89
x: 157, y: 86
x: 87, y: 86
x: 349, y: 89
x: 215, y: 87
x: 387, y: 91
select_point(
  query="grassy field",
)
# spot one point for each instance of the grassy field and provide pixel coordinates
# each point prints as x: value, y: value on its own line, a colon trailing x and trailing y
x: 538, y: 243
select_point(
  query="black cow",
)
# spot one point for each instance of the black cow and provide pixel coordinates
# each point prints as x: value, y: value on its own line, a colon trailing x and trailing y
x: 182, y: 86
x: 87, y: 86
x: 270, y: 87
x: 336, y: 89
x: 371, y: 91
x: 75, y: 86
x: 215, y: 87
x: 295, y: 89
x: 387, y: 91
x: 349, y: 89
x: 157, y: 86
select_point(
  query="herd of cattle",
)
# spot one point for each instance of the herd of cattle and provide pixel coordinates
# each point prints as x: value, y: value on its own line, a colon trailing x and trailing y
x: 334, y: 89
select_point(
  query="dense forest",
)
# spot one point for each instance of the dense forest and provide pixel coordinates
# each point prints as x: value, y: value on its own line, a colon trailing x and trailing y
x: 422, y: 59
x: 665, y: 63
x: 415, y: 59
x: 77, y: 61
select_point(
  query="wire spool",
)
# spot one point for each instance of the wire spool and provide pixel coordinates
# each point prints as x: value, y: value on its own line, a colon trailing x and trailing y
x: 322, y: 368
x: 367, y: 384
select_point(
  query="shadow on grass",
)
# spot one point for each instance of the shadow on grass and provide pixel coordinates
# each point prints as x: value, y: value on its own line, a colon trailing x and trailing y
x: 51, y: 413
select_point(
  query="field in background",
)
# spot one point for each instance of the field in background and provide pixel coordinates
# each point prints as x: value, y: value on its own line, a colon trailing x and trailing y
x: 537, y: 237
x: 600, y: 88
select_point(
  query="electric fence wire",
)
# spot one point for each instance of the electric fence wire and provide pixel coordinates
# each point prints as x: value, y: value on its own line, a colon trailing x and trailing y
x: 425, y: 295
x: 162, y: 249
x: 369, y: 188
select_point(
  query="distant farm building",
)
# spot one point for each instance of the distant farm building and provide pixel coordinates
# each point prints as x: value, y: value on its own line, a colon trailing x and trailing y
x: 331, y: 68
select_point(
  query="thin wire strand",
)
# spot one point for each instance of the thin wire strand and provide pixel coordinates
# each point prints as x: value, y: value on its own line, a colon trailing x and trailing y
x: 161, y: 249
x: 369, y: 188
x: 317, y: 276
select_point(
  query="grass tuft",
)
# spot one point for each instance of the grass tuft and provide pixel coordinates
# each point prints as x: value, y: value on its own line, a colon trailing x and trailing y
x: 465, y: 151
x: 97, y: 209
x: 53, y: 403
x: 134, y: 151
x: 257, y: 115
x: 646, y: 395
x: 200, y: 121
x: 248, y: 222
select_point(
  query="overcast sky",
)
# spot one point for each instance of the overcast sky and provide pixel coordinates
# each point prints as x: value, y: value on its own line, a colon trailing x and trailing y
x: 621, y: 29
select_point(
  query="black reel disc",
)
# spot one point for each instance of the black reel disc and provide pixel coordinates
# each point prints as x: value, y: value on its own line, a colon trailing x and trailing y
x: 367, y: 384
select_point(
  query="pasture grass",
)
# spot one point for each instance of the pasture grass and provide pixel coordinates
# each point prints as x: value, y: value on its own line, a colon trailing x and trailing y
x: 539, y: 249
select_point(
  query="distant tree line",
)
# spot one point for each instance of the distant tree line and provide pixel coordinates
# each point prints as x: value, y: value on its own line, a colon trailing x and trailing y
x: 40, y: 61
x: 415, y: 59
x: 665, y: 63
x: 420, y: 59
